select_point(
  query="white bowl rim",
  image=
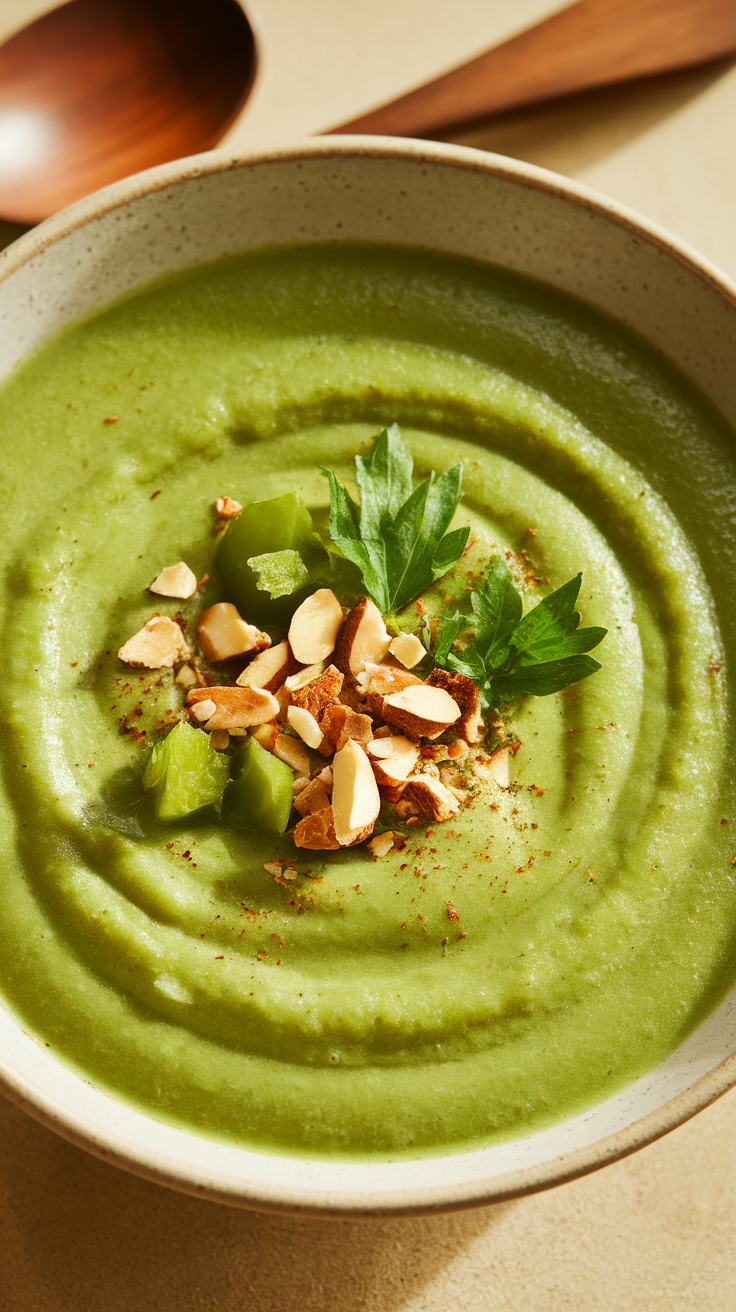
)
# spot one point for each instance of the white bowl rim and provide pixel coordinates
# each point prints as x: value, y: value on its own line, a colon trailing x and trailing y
x: 159, y: 1167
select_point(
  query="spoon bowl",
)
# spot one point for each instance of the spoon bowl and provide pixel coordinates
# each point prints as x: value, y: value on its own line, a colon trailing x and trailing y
x: 99, y: 89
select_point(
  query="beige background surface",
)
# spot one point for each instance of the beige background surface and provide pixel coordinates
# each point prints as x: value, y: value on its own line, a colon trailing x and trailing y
x: 657, y: 1231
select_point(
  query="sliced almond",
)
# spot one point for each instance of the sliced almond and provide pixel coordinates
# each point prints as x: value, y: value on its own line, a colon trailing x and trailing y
x: 431, y: 798
x: 317, y: 831
x: 465, y: 693
x: 493, y: 769
x: 339, y: 724
x: 302, y: 677
x: 293, y: 752
x: 303, y: 722
x: 363, y: 638
x: 269, y: 669
x: 420, y: 710
x: 393, y: 759
x: 317, y: 694
x: 315, y: 626
x: 222, y: 632
x: 408, y: 649
x: 315, y: 797
x: 235, y: 708
x: 227, y: 508
x: 158, y: 645
x: 355, y: 798
x: 175, y: 581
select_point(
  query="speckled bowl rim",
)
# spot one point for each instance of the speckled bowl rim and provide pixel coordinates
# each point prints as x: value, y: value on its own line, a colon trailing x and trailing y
x: 159, y: 1167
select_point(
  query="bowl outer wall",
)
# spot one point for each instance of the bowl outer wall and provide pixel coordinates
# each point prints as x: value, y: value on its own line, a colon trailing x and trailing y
x: 440, y: 197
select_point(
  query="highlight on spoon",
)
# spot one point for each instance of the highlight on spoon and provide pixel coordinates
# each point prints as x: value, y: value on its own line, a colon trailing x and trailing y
x: 99, y: 89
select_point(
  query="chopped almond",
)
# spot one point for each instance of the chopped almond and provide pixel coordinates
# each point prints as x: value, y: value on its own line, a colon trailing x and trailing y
x: 186, y: 677
x: 235, y: 708
x: 266, y: 735
x: 363, y: 638
x: 381, y: 845
x: 301, y: 782
x: 293, y: 752
x: 390, y: 792
x: 458, y: 751
x: 406, y: 809
x: 304, y: 723
x: 283, y: 697
x: 175, y: 581
x: 355, y: 798
x: 465, y: 693
x: 314, y: 797
x: 314, y: 626
x: 393, y: 759
x: 382, y: 680
x: 493, y: 768
x: 408, y: 649
x: 220, y: 740
x: 317, y: 831
x: 431, y: 798
x: 379, y: 681
x: 269, y: 669
x: 340, y: 724
x: 421, y: 711
x: 227, y: 508
x: 204, y: 709
x: 317, y: 694
x: 158, y: 645
x: 222, y: 632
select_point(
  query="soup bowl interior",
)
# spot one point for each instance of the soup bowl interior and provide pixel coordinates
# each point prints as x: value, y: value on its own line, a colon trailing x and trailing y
x: 420, y: 195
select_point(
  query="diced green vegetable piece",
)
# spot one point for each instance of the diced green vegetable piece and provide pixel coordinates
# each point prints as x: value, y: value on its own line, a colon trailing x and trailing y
x: 260, y: 793
x: 264, y: 528
x: 279, y: 573
x: 185, y: 773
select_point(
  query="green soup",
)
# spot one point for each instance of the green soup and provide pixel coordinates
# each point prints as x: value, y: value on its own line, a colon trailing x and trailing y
x: 343, y: 1012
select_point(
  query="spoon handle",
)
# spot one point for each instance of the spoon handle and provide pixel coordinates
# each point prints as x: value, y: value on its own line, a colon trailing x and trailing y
x: 590, y: 44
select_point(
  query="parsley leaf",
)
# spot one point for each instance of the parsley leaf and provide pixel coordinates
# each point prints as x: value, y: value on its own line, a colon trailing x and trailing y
x: 398, y: 537
x: 509, y: 654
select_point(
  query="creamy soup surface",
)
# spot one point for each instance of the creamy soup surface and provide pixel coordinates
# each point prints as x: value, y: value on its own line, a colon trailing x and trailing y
x: 344, y: 1012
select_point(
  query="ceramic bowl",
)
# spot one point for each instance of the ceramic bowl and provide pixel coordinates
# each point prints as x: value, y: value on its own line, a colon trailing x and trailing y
x: 449, y: 199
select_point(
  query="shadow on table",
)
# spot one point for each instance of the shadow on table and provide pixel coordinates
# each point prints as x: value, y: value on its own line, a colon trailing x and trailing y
x: 578, y: 131
x: 78, y: 1233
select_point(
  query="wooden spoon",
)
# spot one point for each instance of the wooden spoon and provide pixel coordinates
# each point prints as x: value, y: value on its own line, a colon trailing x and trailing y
x: 590, y: 44
x: 98, y: 89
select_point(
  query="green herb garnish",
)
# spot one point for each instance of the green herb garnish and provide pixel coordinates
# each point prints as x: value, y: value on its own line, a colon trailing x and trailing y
x: 398, y: 537
x: 510, y: 655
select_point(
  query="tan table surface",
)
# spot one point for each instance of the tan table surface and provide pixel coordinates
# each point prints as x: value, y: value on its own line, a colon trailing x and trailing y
x: 653, y: 1232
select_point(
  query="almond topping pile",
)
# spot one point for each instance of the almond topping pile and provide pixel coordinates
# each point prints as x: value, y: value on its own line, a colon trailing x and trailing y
x: 337, y: 701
